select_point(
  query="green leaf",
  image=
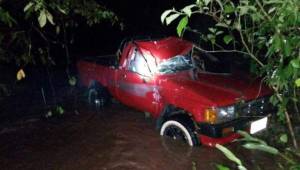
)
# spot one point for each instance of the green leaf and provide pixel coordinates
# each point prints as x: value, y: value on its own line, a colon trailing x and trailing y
x: 288, y: 71
x: 277, y: 42
x: 57, y: 29
x: 227, y: 39
x: 212, y: 30
x: 273, y: 2
x: 287, y: 49
x: 60, y: 110
x: 252, y: 8
x: 243, y: 10
x: 61, y: 10
x: 206, y: 2
x: 49, y: 114
x: 42, y: 18
x: 182, y: 25
x: 49, y: 17
x: 222, y: 167
x: 171, y: 18
x: 241, y: 167
x: 211, y: 38
x: 188, y: 9
x: 295, y: 167
x: 261, y: 147
x: 38, y: 5
x: 165, y: 14
x: 297, y: 82
x: 219, y: 32
x: 220, y: 24
x: 237, y: 25
x: 229, y: 154
x: 229, y: 9
x: 250, y: 138
x: 295, y: 63
x: 271, y: 10
x: 6, y: 18
x: 72, y: 81
x: 227, y: 22
x: 283, y: 138
x: 28, y: 6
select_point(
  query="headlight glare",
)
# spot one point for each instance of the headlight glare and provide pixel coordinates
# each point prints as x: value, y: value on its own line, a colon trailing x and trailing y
x: 225, y: 114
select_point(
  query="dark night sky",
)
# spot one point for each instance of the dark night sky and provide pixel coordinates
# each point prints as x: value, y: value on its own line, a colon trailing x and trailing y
x: 141, y: 18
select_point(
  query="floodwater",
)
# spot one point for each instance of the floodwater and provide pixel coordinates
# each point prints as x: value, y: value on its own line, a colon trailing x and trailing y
x: 115, y: 138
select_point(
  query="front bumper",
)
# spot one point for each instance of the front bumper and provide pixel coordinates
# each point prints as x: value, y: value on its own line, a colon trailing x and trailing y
x: 222, y: 133
x: 211, y: 134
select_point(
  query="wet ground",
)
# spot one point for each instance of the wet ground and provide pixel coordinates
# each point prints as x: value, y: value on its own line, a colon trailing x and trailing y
x: 112, y: 139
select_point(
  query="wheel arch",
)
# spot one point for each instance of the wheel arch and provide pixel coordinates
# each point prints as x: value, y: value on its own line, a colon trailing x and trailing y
x: 94, y: 83
x: 171, y: 111
x: 100, y: 90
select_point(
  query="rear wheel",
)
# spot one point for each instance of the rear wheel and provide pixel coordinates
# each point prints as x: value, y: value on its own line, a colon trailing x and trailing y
x: 98, y: 97
x: 179, y: 129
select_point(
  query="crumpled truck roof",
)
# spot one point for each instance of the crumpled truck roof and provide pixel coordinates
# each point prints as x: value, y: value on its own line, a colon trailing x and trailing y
x: 165, y: 48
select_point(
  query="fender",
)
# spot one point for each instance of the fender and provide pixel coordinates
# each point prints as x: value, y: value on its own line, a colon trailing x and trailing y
x: 172, y: 111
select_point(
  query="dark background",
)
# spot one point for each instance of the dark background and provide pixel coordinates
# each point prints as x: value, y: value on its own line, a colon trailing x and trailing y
x: 141, y: 19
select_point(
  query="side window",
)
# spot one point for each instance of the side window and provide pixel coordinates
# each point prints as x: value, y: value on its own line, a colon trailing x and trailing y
x: 138, y: 64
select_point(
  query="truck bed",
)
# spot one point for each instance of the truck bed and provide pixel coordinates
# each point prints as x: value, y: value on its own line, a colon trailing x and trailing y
x: 107, y: 60
x: 97, y: 68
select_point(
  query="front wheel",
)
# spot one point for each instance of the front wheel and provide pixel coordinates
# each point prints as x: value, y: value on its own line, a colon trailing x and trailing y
x: 179, y: 130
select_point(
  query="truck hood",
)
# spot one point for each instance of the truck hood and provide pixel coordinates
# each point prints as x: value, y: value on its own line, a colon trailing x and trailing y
x: 216, y: 90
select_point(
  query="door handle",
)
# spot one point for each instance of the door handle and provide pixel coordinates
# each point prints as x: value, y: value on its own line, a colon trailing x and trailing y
x: 124, y: 76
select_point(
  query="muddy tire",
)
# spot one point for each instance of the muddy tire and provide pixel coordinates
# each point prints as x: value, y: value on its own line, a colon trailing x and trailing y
x: 98, y: 97
x: 179, y: 129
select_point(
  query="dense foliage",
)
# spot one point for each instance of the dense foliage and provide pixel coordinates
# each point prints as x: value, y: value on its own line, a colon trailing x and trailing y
x: 41, y: 33
x: 31, y: 28
x: 266, y: 31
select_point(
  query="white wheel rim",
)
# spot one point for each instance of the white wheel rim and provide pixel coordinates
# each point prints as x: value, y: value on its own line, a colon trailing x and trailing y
x: 92, y: 92
x: 180, y: 126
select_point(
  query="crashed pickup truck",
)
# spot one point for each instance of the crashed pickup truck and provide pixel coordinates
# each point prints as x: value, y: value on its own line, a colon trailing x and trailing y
x: 186, y: 90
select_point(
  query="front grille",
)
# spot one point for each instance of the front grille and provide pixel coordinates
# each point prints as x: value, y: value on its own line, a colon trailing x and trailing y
x: 255, y: 108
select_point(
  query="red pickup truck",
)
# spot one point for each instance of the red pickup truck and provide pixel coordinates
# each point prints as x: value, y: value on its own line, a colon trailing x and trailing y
x: 192, y: 95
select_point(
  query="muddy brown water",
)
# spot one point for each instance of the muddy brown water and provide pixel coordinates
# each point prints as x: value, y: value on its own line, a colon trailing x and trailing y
x: 114, y: 138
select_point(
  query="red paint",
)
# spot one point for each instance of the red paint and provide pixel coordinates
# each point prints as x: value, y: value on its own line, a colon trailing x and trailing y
x: 179, y: 89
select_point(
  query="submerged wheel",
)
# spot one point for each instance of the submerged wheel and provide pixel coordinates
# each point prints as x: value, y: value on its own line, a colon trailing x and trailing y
x: 178, y: 129
x: 98, y: 97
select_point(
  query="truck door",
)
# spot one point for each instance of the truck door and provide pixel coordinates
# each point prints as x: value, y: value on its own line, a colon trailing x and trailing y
x: 136, y: 88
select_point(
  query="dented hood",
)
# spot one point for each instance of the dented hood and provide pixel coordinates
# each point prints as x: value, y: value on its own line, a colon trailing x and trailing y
x: 217, y: 90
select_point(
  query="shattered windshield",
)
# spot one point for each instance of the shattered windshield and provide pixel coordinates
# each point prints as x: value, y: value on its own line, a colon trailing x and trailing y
x: 176, y: 64
x: 203, y: 62
x: 211, y: 63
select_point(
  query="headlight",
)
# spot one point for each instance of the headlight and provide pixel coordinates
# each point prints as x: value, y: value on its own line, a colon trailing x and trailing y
x: 219, y: 115
x: 225, y: 114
